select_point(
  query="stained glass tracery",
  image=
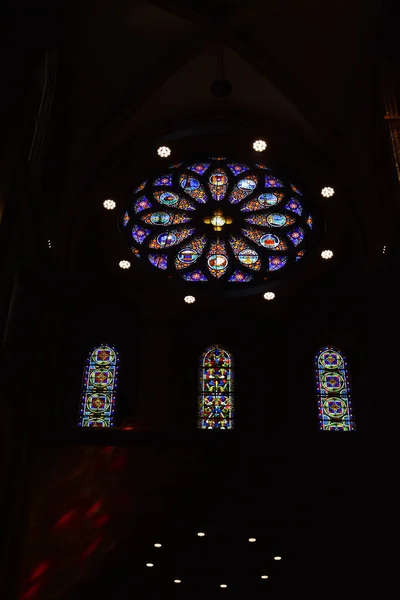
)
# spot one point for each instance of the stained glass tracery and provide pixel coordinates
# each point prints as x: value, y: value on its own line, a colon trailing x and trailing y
x: 335, y: 412
x: 99, y: 388
x: 216, y: 403
x: 218, y: 220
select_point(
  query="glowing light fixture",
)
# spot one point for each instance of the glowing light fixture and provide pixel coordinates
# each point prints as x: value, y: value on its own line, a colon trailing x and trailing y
x: 223, y: 585
x: 109, y: 204
x: 149, y: 565
x: 201, y: 534
x: 264, y: 576
x: 326, y: 254
x: 327, y: 192
x: 277, y: 557
x: 190, y: 300
x: 177, y: 581
x: 164, y: 151
x: 124, y: 264
x: 49, y: 243
x: 252, y: 539
x: 218, y: 220
x: 259, y: 145
x: 157, y: 545
x: 269, y: 295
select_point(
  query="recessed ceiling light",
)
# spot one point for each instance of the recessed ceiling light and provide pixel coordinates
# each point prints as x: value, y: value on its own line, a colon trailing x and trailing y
x: 177, y: 581
x: 157, y: 545
x: 259, y: 145
x: 264, y: 576
x: 201, y: 534
x: 124, y: 264
x: 277, y: 557
x: 223, y: 585
x: 252, y: 539
x: 326, y: 254
x: 189, y: 299
x: 269, y: 295
x: 109, y: 204
x: 327, y: 192
x: 164, y: 151
x: 149, y: 565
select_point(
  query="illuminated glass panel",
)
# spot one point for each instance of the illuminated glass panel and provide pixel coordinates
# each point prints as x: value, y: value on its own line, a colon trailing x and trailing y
x: 310, y: 222
x: 200, y: 168
x: 99, y: 388
x: 295, y: 189
x: 246, y: 255
x: 194, y: 276
x: 217, y: 258
x: 139, y: 234
x: 277, y: 262
x: 170, y: 238
x: 216, y: 404
x: 267, y: 240
x: 335, y: 412
x: 141, y: 187
x: 190, y: 253
x: 135, y: 252
x: 300, y: 255
x: 193, y: 187
x: 141, y: 204
x: 295, y: 206
x: 273, y: 219
x: 164, y: 218
x: 272, y: 182
x: 218, y: 183
x: 126, y: 218
x: 173, y: 200
x: 296, y: 235
x: 164, y: 180
x: 263, y: 201
x: 236, y: 168
x: 239, y: 277
x: 159, y: 260
x: 243, y: 188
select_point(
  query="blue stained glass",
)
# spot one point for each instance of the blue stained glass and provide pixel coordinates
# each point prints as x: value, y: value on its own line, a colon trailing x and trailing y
x: 200, y: 168
x: 192, y: 186
x: 141, y: 204
x: 294, y: 206
x: 272, y: 182
x: 237, y: 169
x: 300, y: 255
x: 218, y: 184
x: 159, y: 260
x: 296, y: 189
x: 194, y: 276
x: 310, y: 221
x: 296, y: 235
x: 240, y: 277
x: 126, y: 218
x: 139, y: 234
x: 263, y: 201
x: 135, y: 252
x: 164, y: 180
x: 141, y: 187
x: 190, y: 253
x: 99, y: 388
x: 277, y: 262
x: 216, y: 404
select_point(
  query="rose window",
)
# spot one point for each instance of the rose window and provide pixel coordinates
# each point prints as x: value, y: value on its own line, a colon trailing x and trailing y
x: 218, y: 221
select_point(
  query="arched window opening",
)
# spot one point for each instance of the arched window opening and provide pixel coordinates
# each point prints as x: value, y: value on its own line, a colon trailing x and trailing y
x: 99, y: 388
x: 335, y: 412
x: 216, y: 406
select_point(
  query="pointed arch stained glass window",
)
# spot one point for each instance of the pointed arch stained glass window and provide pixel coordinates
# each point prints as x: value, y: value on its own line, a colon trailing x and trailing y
x: 216, y: 406
x: 335, y: 410
x: 99, y: 388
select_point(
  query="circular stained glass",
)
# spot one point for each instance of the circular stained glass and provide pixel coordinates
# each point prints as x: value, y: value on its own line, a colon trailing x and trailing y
x: 223, y: 227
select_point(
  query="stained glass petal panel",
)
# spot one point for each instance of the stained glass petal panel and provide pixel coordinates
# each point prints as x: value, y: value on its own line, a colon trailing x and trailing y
x: 173, y: 200
x: 237, y: 169
x: 218, y: 183
x: 193, y: 187
x: 263, y: 201
x: 141, y: 204
x: 194, y: 276
x: 200, y: 168
x: 164, y: 180
x: 239, y: 277
x: 246, y: 255
x: 294, y: 206
x: 243, y: 188
x: 273, y: 182
x: 159, y: 260
x: 217, y: 258
x: 267, y: 240
x: 190, y: 253
x: 296, y: 235
x: 139, y: 234
x: 170, y: 237
x: 276, y: 262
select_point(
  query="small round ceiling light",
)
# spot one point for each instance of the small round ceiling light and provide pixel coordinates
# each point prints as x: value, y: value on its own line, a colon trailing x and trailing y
x: 190, y: 300
x: 269, y: 295
x: 109, y: 204
x: 277, y: 557
x: 327, y: 192
x: 201, y: 534
x: 149, y: 565
x: 164, y: 151
x: 326, y: 254
x: 252, y: 540
x: 124, y: 264
x: 223, y: 585
x: 264, y: 576
x: 157, y: 545
x: 259, y: 145
x: 177, y: 580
